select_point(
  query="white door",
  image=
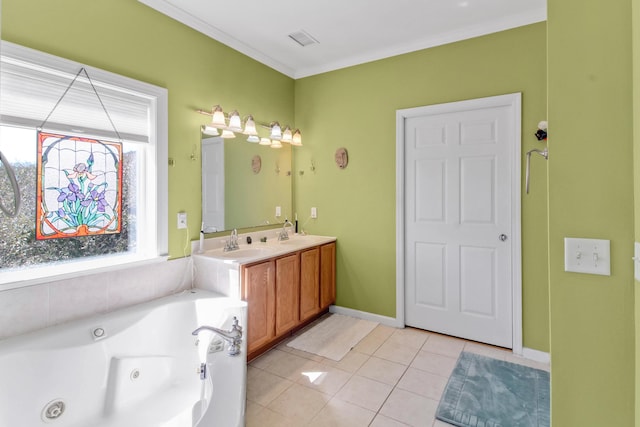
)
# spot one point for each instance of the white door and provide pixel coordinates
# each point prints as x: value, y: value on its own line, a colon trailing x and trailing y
x: 459, y: 218
x: 213, y: 184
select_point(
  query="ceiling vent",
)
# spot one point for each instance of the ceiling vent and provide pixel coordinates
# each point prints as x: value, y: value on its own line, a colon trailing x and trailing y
x: 303, y: 38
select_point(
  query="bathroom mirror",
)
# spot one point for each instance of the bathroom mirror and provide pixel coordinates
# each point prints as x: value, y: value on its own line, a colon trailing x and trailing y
x: 234, y: 195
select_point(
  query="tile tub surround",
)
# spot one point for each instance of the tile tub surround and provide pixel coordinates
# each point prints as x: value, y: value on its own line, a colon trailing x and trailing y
x: 371, y: 386
x: 39, y: 306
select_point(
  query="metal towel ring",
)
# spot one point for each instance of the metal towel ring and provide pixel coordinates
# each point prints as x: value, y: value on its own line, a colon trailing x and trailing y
x: 14, y: 186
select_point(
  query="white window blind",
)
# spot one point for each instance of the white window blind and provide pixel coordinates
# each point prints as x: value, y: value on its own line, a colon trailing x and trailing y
x: 29, y: 93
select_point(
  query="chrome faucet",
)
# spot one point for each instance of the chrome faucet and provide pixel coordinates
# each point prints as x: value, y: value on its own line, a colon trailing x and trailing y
x: 233, y: 336
x: 283, y: 235
x: 232, y: 243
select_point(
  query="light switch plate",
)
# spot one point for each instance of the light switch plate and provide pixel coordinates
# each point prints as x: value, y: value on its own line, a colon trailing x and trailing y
x: 278, y: 211
x: 182, y: 220
x: 314, y: 212
x: 590, y: 256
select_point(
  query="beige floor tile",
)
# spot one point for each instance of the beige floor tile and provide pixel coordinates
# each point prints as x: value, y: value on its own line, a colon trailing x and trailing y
x: 423, y: 383
x: 409, y: 337
x: 338, y: 413
x: 264, y: 387
x: 325, y: 379
x: 410, y: 408
x: 269, y: 418
x: 382, y: 421
x: 268, y: 358
x: 373, y: 340
x: 299, y: 402
x: 382, y: 370
x: 369, y: 344
x: 364, y: 392
x: 389, y: 350
x: 351, y: 362
x: 306, y: 355
x: 252, y: 409
x: 434, y: 363
x: 487, y: 350
x: 290, y: 366
x: 444, y: 345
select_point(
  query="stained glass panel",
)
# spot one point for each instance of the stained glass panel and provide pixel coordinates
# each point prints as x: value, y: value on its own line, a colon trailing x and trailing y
x: 79, y: 189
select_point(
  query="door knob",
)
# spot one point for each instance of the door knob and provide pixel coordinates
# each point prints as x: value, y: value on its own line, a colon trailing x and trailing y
x: 502, y: 237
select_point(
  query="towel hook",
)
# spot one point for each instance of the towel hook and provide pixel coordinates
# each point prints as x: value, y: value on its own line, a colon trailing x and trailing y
x: 544, y: 153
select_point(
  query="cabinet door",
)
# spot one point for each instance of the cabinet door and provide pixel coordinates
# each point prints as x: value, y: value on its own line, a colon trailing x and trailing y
x: 309, y: 283
x: 327, y: 275
x: 258, y: 289
x: 287, y: 293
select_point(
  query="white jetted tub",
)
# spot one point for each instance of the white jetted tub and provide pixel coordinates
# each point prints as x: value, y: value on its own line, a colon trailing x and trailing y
x: 136, y: 367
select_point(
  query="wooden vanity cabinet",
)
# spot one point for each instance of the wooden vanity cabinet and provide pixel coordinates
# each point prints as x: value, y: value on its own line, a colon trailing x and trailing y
x: 309, y: 283
x: 286, y: 292
x: 327, y: 275
x: 259, y: 290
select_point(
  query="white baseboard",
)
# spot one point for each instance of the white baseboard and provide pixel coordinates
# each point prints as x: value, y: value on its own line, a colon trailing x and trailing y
x: 527, y: 353
x: 383, y: 320
x: 536, y: 355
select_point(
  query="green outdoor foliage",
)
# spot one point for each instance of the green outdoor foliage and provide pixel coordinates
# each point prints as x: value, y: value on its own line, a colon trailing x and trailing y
x: 19, y: 247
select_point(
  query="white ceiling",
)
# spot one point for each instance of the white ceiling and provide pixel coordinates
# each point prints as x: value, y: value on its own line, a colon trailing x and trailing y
x: 349, y: 32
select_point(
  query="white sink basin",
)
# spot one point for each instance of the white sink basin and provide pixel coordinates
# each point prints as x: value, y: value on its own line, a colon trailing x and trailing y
x: 240, y: 254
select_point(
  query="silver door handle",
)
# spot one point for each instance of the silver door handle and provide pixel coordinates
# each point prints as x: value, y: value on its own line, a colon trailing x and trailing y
x: 502, y: 237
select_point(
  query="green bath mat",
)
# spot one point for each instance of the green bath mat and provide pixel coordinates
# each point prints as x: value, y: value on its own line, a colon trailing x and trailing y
x: 485, y: 392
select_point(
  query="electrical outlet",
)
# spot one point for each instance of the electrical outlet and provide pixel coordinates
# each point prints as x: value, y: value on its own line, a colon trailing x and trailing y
x: 278, y: 211
x: 314, y: 212
x: 182, y: 220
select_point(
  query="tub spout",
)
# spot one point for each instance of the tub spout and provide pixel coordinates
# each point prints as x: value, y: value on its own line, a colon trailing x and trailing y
x: 233, y: 336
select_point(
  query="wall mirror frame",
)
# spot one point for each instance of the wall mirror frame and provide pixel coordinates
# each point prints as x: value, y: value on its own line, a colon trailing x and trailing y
x: 233, y: 194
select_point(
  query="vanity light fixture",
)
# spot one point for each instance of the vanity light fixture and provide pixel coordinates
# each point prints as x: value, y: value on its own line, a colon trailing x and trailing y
x: 250, y: 126
x: 296, y: 139
x: 276, y: 144
x: 235, y: 124
x: 276, y: 131
x: 227, y: 134
x: 217, y: 118
x: 286, y: 135
x: 210, y: 130
x: 232, y: 123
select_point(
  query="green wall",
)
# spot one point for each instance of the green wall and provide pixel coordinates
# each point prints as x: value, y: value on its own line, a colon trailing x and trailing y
x: 131, y: 39
x: 636, y: 179
x: 591, y: 172
x: 356, y: 108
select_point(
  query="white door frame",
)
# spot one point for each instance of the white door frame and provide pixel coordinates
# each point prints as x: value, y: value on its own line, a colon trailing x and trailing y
x: 510, y: 100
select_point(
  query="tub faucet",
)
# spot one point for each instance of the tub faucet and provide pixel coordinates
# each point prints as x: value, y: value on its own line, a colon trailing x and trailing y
x: 232, y: 243
x: 283, y: 235
x: 233, y: 336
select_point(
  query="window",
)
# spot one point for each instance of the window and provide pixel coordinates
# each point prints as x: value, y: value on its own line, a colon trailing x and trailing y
x: 78, y: 219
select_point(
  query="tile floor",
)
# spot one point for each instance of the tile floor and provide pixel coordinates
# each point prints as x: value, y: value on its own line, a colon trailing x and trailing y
x: 393, y: 377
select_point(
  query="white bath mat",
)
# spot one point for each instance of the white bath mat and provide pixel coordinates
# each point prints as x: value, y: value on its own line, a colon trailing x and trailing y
x: 333, y: 337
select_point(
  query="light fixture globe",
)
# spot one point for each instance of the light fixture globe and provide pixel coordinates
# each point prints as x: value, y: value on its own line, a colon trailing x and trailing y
x: 218, y: 120
x: 227, y: 134
x: 250, y: 127
x: 276, y: 144
x: 253, y: 138
x: 297, y: 138
x: 286, y: 135
x: 276, y: 132
x: 265, y: 141
x: 235, y: 124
